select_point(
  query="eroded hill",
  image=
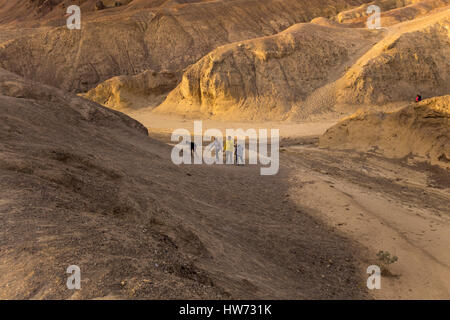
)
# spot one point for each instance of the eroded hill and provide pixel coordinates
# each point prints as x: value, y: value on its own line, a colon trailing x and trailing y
x: 263, y: 78
x: 134, y: 38
x: 412, y: 59
x: 318, y: 68
x: 420, y: 129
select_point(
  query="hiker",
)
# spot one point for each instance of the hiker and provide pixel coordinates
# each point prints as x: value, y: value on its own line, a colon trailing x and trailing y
x: 218, y: 149
x: 239, y: 154
x: 229, y: 147
x: 235, y: 152
x: 193, y: 148
x: 418, y: 98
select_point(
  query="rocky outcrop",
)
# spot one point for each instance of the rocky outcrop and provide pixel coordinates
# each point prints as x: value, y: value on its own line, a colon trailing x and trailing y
x: 420, y: 129
x: 147, y: 89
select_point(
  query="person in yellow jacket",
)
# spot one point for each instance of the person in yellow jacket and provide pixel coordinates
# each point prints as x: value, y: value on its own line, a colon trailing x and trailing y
x: 229, y: 149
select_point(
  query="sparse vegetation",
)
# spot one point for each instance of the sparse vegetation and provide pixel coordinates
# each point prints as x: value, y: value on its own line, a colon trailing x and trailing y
x: 99, y: 5
x: 386, y: 259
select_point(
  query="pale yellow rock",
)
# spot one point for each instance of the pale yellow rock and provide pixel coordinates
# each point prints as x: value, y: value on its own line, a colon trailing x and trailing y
x: 147, y: 89
x: 263, y: 78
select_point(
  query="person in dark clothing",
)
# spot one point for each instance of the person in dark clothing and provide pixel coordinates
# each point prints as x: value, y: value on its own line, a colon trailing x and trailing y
x: 193, y: 148
x: 235, y: 153
x: 418, y: 98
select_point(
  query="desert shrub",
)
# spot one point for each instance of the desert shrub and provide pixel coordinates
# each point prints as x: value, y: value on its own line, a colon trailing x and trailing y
x: 386, y: 259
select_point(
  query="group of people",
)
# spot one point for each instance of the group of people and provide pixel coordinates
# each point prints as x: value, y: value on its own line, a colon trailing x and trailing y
x: 232, y: 149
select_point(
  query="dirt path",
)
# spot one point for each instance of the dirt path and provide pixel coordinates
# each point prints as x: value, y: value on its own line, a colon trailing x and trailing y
x: 166, y: 124
x: 382, y: 205
x: 397, y: 206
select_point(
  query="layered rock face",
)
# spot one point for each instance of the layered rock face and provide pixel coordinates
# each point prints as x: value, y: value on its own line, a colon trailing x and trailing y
x: 420, y: 129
